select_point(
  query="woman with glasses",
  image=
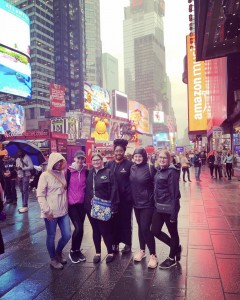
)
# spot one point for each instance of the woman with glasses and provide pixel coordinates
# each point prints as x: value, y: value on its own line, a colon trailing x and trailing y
x: 101, y: 183
x: 141, y: 179
x: 166, y: 196
x: 52, y: 198
x: 76, y: 186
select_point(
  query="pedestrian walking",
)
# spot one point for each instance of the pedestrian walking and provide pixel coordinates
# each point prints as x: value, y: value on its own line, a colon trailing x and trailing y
x: 210, y: 161
x: 197, y: 165
x: 76, y: 185
x: 122, y: 221
x: 167, y: 206
x: 218, y: 162
x: 101, y: 185
x: 229, y: 162
x: 24, y: 166
x: 141, y: 178
x: 10, y: 177
x: 185, y: 167
x: 52, y: 198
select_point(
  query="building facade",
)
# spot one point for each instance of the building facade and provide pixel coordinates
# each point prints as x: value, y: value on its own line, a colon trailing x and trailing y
x: 144, y: 52
x: 93, y: 42
x: 110, y: 72
x: 42, y: 55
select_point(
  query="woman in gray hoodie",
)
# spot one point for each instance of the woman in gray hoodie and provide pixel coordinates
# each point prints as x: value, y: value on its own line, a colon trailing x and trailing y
x: 51, y: 194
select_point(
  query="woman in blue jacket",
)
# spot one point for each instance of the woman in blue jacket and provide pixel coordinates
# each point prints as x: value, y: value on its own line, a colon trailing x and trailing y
x: 166, y: 196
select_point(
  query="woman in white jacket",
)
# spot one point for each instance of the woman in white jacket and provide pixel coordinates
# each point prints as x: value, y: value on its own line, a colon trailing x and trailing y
x: 51, y: 194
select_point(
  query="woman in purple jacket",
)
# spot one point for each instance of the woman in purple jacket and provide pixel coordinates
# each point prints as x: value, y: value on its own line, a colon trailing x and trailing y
x: 76, y: 183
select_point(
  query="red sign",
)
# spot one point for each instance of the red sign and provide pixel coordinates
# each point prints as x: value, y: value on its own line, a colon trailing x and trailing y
x: 57, y: 100
x: 90, y: 146
x: 59, y: 135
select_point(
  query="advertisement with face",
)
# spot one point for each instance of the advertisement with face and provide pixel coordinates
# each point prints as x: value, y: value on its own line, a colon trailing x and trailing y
x: 139, y: 115
x: 11, y: 118
x: 100, y: 129
x: 97, y: 98
x: 72, y: 128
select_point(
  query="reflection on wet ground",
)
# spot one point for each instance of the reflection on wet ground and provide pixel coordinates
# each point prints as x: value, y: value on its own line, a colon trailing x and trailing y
x: 209, y: 227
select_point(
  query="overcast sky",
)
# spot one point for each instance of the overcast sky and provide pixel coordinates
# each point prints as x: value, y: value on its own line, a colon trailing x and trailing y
x: 175, y: 31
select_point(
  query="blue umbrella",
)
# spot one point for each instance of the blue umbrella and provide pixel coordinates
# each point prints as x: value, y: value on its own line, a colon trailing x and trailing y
x: 13, y: 148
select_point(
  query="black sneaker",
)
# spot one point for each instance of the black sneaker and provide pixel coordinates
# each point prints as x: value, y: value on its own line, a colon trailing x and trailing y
x: 96, y: 259
x: 81, y: 256
x: 168, y: 263
x: 109, y: 258
x: 115, y: 248
x: 73, y: 255
x: 127, y: 249
x: 178, y: 254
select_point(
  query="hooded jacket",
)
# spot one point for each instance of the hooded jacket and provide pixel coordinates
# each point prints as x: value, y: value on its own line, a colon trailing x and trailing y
x: 166, y: 191
x: 77, y: 184
x: 51, y: 193
x: 141, y: 178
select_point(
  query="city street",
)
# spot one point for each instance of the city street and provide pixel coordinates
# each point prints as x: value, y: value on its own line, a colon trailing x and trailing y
x: 209, y: 227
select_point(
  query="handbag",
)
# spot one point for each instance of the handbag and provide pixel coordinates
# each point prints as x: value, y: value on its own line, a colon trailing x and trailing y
x: 164, y: 208
x: 101, y: 209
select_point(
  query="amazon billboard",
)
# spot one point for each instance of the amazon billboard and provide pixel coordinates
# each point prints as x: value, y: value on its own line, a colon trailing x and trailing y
x: 197, y: 94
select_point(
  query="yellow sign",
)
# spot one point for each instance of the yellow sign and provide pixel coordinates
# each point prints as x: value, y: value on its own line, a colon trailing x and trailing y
x: 139, y: 115
x: 197, y: 104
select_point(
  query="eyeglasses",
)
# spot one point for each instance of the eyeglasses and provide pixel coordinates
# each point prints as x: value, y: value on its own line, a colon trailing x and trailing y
x: 162, y: 157
x: 94, y: 160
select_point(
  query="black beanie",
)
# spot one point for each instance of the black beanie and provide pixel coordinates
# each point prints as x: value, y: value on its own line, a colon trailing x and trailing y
x: 143, y: 152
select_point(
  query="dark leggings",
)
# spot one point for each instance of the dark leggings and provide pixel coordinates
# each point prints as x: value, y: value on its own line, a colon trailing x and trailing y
x: 229, y: 170
x: 173, y: 241
x: 77, y: 215
x: 144, y: 220
x: 102, y: 229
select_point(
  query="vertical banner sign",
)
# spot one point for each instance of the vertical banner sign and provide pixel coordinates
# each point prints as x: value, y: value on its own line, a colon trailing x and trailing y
x: 57, y: 100
x: 197, y: 104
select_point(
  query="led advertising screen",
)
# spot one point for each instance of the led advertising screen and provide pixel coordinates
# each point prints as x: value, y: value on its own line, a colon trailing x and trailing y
x: 100, y: 129
x: 15, y: 73
x: 158, y: 117
x: 15, y: 28
x: 97, y: 98
x: 15, y: 70
x: 139, y: 115
x: 120, y: 104
x: 57, y: 100
x: 11, y: 118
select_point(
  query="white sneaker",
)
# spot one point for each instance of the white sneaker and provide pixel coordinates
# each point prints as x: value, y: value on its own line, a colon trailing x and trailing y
x: 139, y: 256
x: 152, y: 262
x: 23, y: 209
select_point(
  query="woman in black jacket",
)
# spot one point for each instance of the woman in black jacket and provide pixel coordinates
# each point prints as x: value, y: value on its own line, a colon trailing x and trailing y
x: 122, y: 221
x: 141, y: 178
x: 1, y: 209
x: 101, y: 183
x: 167, y: 195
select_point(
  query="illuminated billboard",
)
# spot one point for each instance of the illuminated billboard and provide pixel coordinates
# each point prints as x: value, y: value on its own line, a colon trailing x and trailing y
x: 158, y: 117
x: 11, y: 118
x: 197, y: 106
x: 57, y: 100
x: 15, y: 28
x: 139, y: 115
x: 15, y: 70
x: 100, y: 129
x: 97, y: 98
x: 120, y: 104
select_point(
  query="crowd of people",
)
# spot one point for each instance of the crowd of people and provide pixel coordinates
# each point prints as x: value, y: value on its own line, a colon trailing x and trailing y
x: 108, y: 194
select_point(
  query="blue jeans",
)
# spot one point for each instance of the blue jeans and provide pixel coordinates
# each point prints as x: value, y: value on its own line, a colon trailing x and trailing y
x: 24, y: 188
x: 197, y: 172
x: 51, y: 226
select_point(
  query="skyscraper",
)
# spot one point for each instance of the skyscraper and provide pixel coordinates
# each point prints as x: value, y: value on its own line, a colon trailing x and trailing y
x: 42, y: 55
x: 144, y: 52
x: 69, y: 45
x: 93, y: 42
x: 110, y: 72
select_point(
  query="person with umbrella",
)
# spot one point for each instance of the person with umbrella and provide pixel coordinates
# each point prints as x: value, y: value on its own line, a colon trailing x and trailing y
x: 24, y: 166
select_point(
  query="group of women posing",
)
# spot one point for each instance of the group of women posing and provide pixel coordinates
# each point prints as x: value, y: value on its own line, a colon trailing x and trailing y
x: 152, y: 193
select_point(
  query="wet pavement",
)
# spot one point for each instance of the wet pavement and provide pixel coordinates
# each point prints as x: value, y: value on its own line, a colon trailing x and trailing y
x: 209, y: 228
